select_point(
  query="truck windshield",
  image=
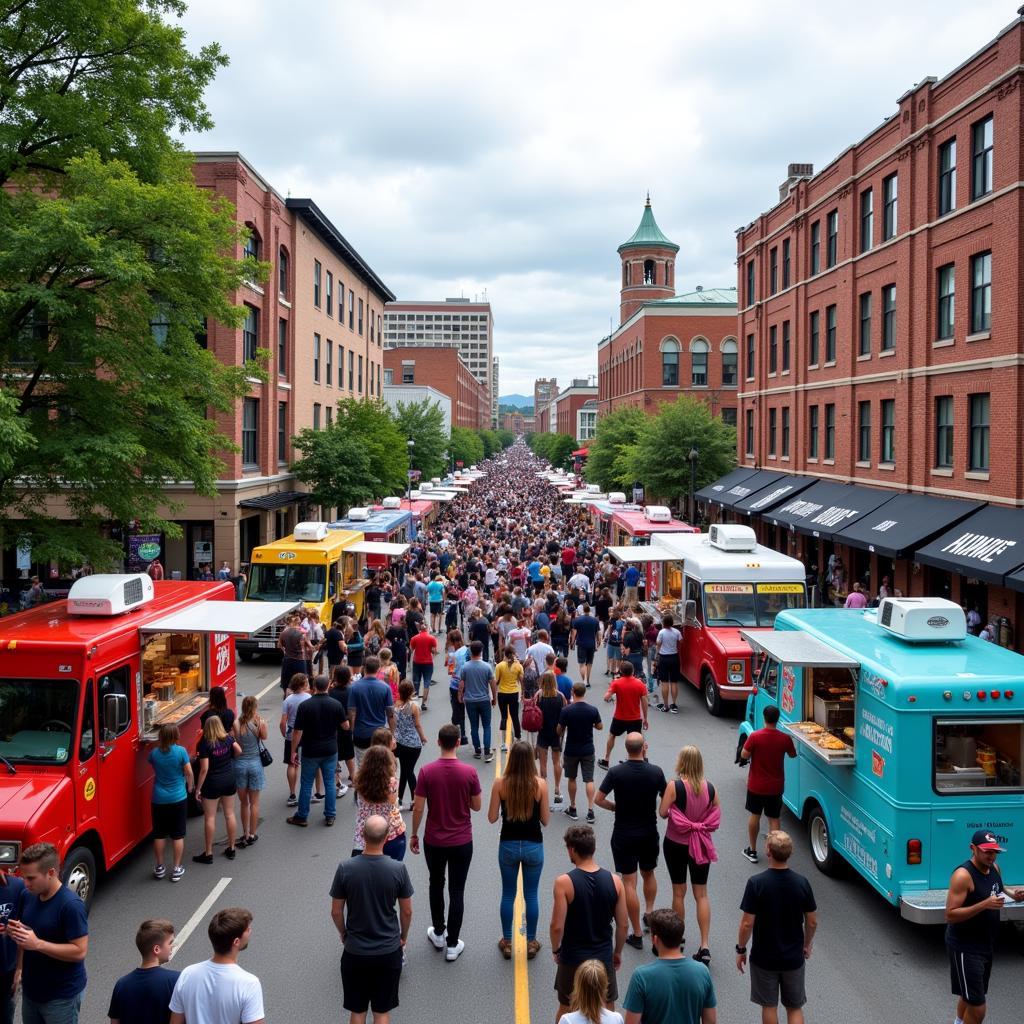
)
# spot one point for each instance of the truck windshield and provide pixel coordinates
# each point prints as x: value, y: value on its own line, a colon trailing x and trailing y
x: 305, y: 583
x: 749, y: 604
x: 37, y: 719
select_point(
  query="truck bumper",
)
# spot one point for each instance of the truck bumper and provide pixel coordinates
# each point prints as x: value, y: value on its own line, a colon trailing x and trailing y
x: 929, y: 907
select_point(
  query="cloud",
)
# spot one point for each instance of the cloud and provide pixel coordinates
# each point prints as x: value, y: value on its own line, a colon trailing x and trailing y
x: 464, y: 147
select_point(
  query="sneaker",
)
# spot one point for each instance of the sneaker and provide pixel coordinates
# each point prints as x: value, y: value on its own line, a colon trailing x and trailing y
x: 292, y: 801
x: 504, y: 749
x: 464, y: 742
x: 177, y: 874
x: 203, y: 858
x: 635, y: 941
x: 674, y: 709
x: 317, y: 797
x: 661, y: 707
x: 703, y: 955
x: 489, y: 757
x: 296, y: 820
x: 751, y: 855
x: 159, y: 871
x: 570, y: 813
x: 602, y: 763
x: 558, y: 798
x: 476, y: 754
x: 230, y: 853
x: 452, y: 953
x: 329, y: 820
x: 590, y: 816
x: 341, y: 791
x: 437, y: 941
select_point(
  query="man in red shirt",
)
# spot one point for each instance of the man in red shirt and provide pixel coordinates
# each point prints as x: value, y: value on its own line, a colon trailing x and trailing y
x: 424, y: 646
x: 767, y: 750
x: 630, y: 713
x: 568, y: 560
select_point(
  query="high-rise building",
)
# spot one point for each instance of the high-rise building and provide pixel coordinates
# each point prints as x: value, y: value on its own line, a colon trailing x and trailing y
x: 545, y: 389
x: 495, y: 386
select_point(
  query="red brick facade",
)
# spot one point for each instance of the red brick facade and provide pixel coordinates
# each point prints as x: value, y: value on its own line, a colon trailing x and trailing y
x: 444, y: 370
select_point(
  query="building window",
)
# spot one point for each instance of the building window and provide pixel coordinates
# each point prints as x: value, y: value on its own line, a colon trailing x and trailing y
x: 981, y: 158
x: 812, y: 432
x: 867, y: 218
x: 864, y: 346
x: 728, y: 417
x: 648, y: 272
x: 625, y: 274
x: 890, y: 188
x: 699, y: 364
x: 888, y: 317
x: 317, y: 269
x: 341, y: 302
x: 830, y: 334
x: 670, y: 363
x: 785, y: 346
x: 749, y: 416
x: 359, y: 378
x: 832, y: 241
x: 772, y: 417
x: 888, y: 449
x: 370, y: 316
x: 351, y: 310
x: 814, y: 338
x: 316, y: 415
x: 389, y: 377
x: 316, y: 358
x: 785, y: 431
x: 351, y: 370
x: 785, y: 263
x: 341, y: 366
x: 981, y: 292
x: 282, y: 272
x: 250, y: 333
x: 252, y: 244
x: 330, y: 294
x: 408, y: 373
x: 773, y: 348
x: 830, y: 431
x: 751, y: 295
x: 773, y: 270
x: 360, y: 318
x: 815, y: 247
x: 378, y: 378
x: 329, y: 375
x: 282, y: 432
x: 750, y: 357
x: 978, y: 406
x: 282, y: 347
x: 863, y: 431
x: 947, y: 300
x: 947, y: 177
x: 250, y: 432
x: 944, y: 431
x: 329, y: 413
x: 730, y: 356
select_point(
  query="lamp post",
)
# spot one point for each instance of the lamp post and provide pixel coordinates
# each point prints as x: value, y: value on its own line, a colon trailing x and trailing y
x: 694, y: 455
x: 410, y: 444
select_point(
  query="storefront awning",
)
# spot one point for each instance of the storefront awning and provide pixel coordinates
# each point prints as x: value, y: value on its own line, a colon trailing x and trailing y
x: 639, y: 553
x: 722, y: 485
x: 278, y: 499
x: 242, y: 617
x: 774, y: 494
x: 905, y: 522
x: 827, y: 507
x: 378, y: 547
x: 986, y: 546
x: 743, y: 489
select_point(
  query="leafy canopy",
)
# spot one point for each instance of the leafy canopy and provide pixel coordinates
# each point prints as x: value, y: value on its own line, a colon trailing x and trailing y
x: 423, y: 422
x: 555, y: 448
x: 616, y: 432
x: 467, y: 446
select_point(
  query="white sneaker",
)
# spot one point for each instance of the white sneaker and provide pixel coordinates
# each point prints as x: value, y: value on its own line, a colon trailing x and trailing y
x: 452, y: 953
x: 437, y: 941
x: 341, y: 791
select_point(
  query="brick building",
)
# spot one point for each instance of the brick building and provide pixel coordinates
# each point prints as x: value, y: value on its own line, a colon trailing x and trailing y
x: 667, y: 344
x: 514, y: 421
x: 446, y: 371
x: 881, y: 337
x: 572, y: 411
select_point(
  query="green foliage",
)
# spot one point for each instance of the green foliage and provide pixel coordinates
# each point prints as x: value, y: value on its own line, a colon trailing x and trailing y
x: 467, y: 446
x: 424, y: 423
x: 555, y: 448
x: 359, y: 457
x: 616, y: 432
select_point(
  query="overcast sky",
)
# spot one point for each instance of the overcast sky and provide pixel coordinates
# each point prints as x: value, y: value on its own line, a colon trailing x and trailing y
x: 506, y: 148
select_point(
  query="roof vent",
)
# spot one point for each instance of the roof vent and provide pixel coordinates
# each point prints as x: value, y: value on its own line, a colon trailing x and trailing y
x: 922, y: 618
x: 391, y: 503
x: 415, y: 493
x: 616, y: 498
x: 109, y: 593
x: 732, y: 537
x: 794, y: 173
x: 426, y: 487
x: 658, y: 514
x: 310, y: 532
x: 359, y: 514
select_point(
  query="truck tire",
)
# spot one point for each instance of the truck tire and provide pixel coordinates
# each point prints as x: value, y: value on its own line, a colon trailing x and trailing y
x: 79, y: 874
x: 712, y: 695
x: 825, y: 858
x: 246, y: 656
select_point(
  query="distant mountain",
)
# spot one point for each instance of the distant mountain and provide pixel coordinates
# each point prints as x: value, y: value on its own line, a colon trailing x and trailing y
x: 519, y: 401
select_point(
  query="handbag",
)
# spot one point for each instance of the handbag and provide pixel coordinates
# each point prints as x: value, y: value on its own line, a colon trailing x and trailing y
x: 266, y: 757
x: 533, y: 717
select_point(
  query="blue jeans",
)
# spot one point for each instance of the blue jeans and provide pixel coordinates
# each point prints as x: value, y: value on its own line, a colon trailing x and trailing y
x: 53, y: 1011
x: 513, y: 854
x: 479, y: 711
x: 327, y: 765
x: 395, y: 848
x: 422, y: 676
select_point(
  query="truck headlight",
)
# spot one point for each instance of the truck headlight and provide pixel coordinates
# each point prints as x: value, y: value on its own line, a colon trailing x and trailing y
x: 10, y: 853
x: 736, y: 674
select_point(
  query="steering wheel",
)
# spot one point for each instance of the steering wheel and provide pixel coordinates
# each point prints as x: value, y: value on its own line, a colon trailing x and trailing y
x: 63, y: 726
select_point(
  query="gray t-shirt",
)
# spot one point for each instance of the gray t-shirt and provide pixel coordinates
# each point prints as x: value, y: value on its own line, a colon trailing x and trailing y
x: 371, y: 885
x: 477, y: 676
x: 290, y: 708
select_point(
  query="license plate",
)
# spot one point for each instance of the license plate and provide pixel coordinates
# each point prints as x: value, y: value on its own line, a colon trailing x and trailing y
x: 267, y: 643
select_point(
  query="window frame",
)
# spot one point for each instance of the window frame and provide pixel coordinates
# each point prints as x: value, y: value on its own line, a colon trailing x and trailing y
x: 250, y: 333
x: 947, y: 177
x: 282, y: 347
x: 250, y: 433
x: 864, y: 431
x: 751, y: 283
x: 831, y: 330
x: 748, y: 430
x: 813, y: 337
x: 815, y: 267
x: 317, y: 273
x: 670, y: 347
x: 316, y: 358
x: 784, y: 451
x: 979, y: 436
x: 831, y: 239
x: 864, y: 304
x: 282, y: 433
x: 945, y: 435
x: 773, y: 418
x: 730, y: 360
x: 887, y: 431
x: 812, y: 432
x: 890, y: 206
x: 888, y: 317
x: 751, y: 357
x: 982, y: 158
x: 981, y: 294
x: 867, y: 219
x: 830, y: 431
x: 945, y: 313
x: 699, y: 348
x: 773, y: 270
x: 773, y: 349
x: 786, y: 263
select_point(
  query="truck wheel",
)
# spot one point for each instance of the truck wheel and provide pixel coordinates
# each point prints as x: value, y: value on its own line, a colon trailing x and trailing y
x: 826, y: 860
x: 712, y: 695
x: 79, y: 874
x: 246, y: 656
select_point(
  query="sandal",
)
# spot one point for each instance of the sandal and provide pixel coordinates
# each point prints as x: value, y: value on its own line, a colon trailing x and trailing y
x: 532, y: 948
x: 506, y: 948
x: 703, y: 956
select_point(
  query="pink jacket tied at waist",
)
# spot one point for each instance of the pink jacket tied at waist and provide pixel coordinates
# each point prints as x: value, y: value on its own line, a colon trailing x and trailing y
x: 695, y: 832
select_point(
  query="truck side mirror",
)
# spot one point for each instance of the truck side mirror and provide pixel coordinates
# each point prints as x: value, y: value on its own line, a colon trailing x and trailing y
x: 115, y: 714
x: 690, y: 613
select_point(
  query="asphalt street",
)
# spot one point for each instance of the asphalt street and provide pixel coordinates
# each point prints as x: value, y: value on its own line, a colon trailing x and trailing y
x: 868, y: 964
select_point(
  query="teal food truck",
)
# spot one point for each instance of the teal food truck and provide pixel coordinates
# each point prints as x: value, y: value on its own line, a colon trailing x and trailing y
x: 909, y: 735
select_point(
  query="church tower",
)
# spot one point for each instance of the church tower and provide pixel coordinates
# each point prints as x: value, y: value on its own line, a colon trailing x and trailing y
x: 648, y: 265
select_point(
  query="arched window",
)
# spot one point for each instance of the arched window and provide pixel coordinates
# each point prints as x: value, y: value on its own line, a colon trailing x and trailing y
x: 648, y: 271
x: 699, y: 363
x: 670, y: 363
x: 253, y: 245
x: 730, y: 363
x: 282, y: 272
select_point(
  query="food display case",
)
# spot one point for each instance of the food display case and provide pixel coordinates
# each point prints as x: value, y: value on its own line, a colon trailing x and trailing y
x: 174, y: 679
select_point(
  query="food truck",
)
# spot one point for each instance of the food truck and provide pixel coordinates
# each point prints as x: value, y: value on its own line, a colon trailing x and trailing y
x: 637, y: 525
x: 909, y: 737
x: 315, y: 566
x: 85, y: 685
x: 715, y: 584
x: 385, y: 529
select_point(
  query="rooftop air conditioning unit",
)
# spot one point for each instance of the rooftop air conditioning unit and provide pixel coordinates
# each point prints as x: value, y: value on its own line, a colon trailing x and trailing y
x: 593, y: 488
x: 109, y: 593
x: 415, y: 494
x: 616, y: 498
x: 310, y: 531
x: 391, y: 503
x: 426, y: 487
x: 359, y: 514
x: 731, y: 537
x: 658, y: 514
x: 435, y: 479
x: 922, y: 618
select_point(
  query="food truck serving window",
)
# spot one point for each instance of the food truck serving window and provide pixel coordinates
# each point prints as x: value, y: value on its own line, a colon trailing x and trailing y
x: 37, y: 719
x: 750, y: 604
x: 282, y: 582
x: 173, y: 673
x: 981, y: 755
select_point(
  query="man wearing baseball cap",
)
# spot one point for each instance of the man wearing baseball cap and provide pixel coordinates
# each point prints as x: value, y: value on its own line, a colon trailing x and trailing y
x: 976, y: 895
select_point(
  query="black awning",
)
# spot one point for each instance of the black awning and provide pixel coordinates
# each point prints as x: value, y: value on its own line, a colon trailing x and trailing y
x: 727, y: 481
x: 1016, y: 579
x: 986, y: 546
x: 278, y: 499
x: 905, y: 522
x: 774, y: 494
x: 746, y: 487
x: 827, y: 507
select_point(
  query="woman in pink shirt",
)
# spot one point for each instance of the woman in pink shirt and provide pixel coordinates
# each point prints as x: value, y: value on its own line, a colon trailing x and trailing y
x: 856, y: 598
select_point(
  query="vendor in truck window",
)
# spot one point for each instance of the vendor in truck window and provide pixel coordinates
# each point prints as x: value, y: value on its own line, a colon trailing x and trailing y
x: 272, y: 582
x: 750, y: 604
x: 37, y: 719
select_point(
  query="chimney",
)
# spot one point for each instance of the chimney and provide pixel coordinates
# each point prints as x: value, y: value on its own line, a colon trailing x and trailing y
x: 795, y: 173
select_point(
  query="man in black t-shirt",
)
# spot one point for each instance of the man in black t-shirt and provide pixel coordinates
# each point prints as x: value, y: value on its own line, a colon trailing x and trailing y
x: 779, y: 909
x: 334, y: 638
x: 577, y: 721
x: 584, y: 637
x: 637, y: 786
x: 144, y: 995
x: 316, y: 734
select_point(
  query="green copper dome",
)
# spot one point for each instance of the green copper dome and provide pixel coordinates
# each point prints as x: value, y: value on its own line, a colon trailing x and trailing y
x: 648, y: 234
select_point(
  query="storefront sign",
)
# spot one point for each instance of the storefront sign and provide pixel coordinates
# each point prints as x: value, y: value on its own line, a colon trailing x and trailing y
x: 770, y: 497
x: 978, y: 546
x: 780, y: 588
x: 143, y: 548
x: 728, y: 588
x: 202, y: 552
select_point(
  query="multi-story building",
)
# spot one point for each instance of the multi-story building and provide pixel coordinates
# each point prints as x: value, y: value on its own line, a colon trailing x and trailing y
x: 495, y: 386
x: 667, y: 344
x: 514, y: 421
x: 545, y: 389
x: 572, y: 411
x: 444, y: 370
x: 881, y: 333
x: 414, y: 394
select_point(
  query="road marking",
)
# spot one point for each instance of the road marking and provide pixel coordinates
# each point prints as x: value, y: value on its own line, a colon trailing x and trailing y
x: 181, y: 936
x: 266, y: 689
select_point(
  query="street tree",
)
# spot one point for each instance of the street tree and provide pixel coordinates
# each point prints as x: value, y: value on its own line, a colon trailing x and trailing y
x: 555, y: 448
x: 423, y: 422
x: 616, y: 432
x: 466, y: 446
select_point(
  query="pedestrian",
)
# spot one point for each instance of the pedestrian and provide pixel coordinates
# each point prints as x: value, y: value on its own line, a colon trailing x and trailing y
x: 397, y: 639
x: 298, y: 691
x: 779, y: 910
x: 215, y: 786
x: 409, y: 741
x: 50, y: 928
x: 856, y: 598
x: 975, y: 898
x: 296, y: 650
x: 218, y: 991
x: 144, y: 995
x: 389, y: 672
x: 767, y: 750
x: 250, y: 731
x: 631, y: 586
x: 672, y: 990
x: 456, y: 654
x: 577, y: 723
x: 341, y: 680
x: 589, y: 902
x: 509, y: 678
x: 613, y: 641
x: 435, y: 599
x: 424, y: 647
x: 355, y: 646
x: 11, y: 889
x: 630, y: 714
x: 549, y: 740
x: 520, y: 796
x: 589, y: 988
x: 334, y: 647
x: 377, y: 794
x: 217, y: 704
x: 449, y: 791
x: 691, y: 807
x: 637, y: 786
x: 479, y: 693
x: 364, y: 894
x: 316, y: 735
x: 172, y: 782
x: 370, y: 706
x: 669, y: 644
x: 583, y: 636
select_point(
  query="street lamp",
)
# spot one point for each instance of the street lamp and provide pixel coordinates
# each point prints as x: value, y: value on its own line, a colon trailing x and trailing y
x: 410, y: 444
x: 694, y: 455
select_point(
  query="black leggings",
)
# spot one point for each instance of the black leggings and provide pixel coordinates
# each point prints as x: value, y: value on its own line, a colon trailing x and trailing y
x: 508, y: 704
x: 455, y: 860
x: 407, y: 758
x: 458, y: 712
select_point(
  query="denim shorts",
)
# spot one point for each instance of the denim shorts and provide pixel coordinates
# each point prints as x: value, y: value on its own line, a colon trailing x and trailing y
x: 249, y: 775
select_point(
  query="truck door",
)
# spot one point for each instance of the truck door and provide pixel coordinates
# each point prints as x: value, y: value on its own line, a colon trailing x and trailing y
x: 85, y: 784
x: 693, y: 633
x: 118, y: 749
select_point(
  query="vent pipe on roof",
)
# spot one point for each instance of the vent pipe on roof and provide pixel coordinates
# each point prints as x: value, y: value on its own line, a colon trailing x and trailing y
x: 794, y: 173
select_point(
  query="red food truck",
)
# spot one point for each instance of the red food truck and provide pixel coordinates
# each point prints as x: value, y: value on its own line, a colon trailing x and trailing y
x: 85, y: 685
